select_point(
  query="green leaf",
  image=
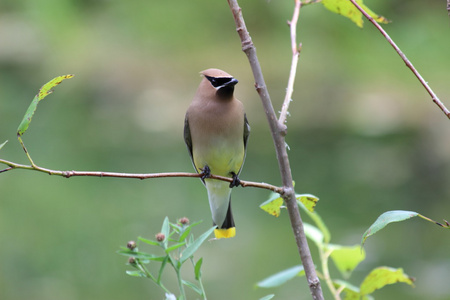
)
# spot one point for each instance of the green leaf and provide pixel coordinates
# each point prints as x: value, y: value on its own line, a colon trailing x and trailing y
x: 351, y: 292
x: 150, y: 242
x: 161, y: 269
x: 190, y: 250
x: 165, y: 229
x: 141, y: 255
x: 308, y: 200
x: 319, y: 222
x: 136, y: 273
x: 273, y: 204
x: 185, y: 233
x: 197, y: 269
x: 176, y: 246
x: 381, y: 276
x: 44, y: 91
x: 1, y: 146
x: 314, y: 234
x: 268, y: 297
x: 386, y: 218
x: 281, y: 277
x: 192, y: 286
x: 346, y: 258
x: 347, y: 9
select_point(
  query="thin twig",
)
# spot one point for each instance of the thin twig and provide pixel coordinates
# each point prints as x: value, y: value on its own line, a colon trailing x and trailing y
x: 68, y: 174
x: 280, y: 148
x: 295, y: 54
x: 405, y: 59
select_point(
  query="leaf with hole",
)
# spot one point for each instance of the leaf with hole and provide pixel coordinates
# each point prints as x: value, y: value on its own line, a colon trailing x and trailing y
x: 44, y: 91
x: 347, y: 9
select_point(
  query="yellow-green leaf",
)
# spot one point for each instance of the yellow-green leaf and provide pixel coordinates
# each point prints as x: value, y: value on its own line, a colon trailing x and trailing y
x: 308, y: 200
x: 381, y: 276
x: 347, y: 9
x: 346, y: 258
x: 273, y: 205
x: 44, y: 91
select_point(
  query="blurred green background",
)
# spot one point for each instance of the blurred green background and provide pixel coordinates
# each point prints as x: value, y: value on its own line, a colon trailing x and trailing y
x: 364, y: 137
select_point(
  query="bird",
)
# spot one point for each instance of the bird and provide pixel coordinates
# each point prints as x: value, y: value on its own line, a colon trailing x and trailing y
x: 216, y: 132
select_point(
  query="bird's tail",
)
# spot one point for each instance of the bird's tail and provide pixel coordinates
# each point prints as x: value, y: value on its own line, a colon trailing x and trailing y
x: 227, y: 230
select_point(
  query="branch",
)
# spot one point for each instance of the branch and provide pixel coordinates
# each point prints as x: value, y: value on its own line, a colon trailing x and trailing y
x: 405, y: 59
x: 68, y: 174
x: 277, y: 131
x: 295, y: 54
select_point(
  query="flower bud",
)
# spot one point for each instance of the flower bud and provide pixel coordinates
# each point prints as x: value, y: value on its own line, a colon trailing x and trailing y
x: 184, y: 221
x: 160, y: 237
x: 131, y: 245
x: 132, y: 261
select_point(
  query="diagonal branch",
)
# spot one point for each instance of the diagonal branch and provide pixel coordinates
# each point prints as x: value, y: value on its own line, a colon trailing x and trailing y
x: 405, y: 59
x: 277, y: 131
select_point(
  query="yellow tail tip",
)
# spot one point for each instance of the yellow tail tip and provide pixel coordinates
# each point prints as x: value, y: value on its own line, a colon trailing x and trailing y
x: 225, y: 233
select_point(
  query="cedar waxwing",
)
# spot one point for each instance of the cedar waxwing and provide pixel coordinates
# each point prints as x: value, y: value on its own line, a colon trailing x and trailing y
x: 216, y: 132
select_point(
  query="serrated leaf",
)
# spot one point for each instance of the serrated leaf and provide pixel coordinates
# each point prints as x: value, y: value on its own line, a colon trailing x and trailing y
x: 136, y: 273
x: 281, y: 277
x: 44, y: 91
x: 386, y: 218
x: 1, y: 146
x: 273, y: 204
x: 308, y: 200
x: 268, y: 297
x: 346, y: 258
x: 198, y: 269
x: 190, y: 250
x: 382, y: 276
x: 314, y: 234
x: 347, y: 9
x: 192, y: 286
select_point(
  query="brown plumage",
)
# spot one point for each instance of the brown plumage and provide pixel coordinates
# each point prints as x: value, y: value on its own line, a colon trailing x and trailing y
x: 216, y: 132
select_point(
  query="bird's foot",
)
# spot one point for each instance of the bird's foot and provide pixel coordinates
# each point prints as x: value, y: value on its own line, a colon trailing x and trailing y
x: 206, y: 172
x: 236, y: 181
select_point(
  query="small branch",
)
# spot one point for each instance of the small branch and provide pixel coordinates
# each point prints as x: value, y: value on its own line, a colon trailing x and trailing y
x: 295, y: 54
x: 68, y: 174
x: 405, y: 59
x: 280, y: 148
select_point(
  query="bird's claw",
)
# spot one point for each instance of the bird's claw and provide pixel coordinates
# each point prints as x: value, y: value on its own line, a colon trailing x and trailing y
x: 236, y: 181
x: 206, y: 172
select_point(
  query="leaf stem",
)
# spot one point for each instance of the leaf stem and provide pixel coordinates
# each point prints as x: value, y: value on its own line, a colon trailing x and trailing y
x: 324, y: 256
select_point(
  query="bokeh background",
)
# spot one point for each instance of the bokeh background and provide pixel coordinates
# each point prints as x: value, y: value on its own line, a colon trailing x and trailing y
x: 364, y: 137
